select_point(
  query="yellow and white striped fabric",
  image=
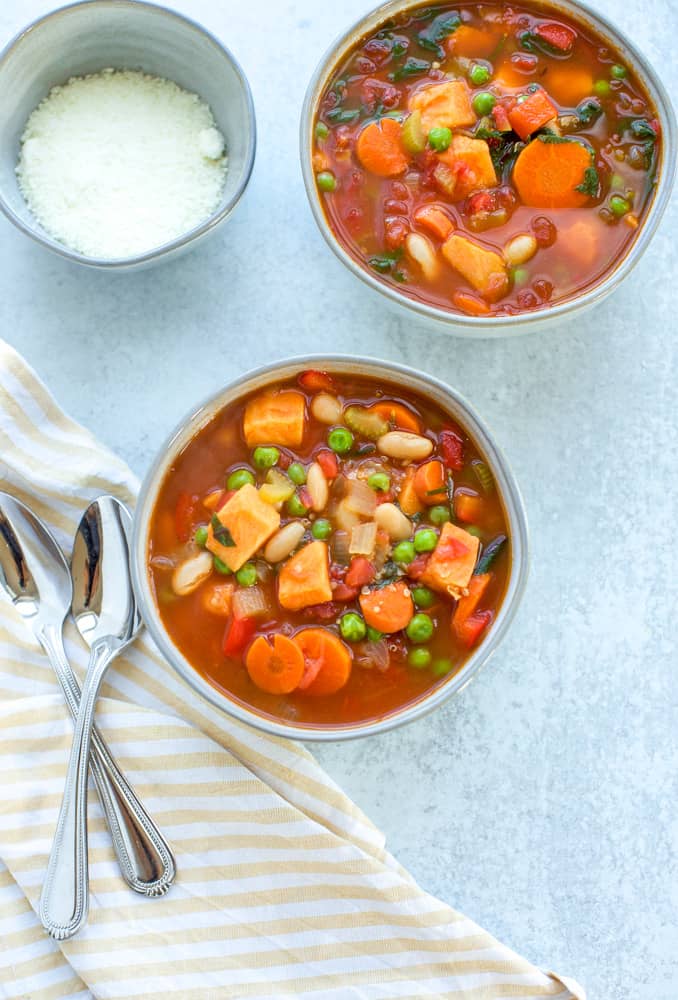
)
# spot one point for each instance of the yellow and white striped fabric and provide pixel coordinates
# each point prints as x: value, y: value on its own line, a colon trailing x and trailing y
x: 284, y: 887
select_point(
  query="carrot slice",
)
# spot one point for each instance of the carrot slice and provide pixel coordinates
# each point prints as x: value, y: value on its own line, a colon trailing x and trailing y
x: 469, y: 507
x: 429, y: 483
x: 380, y: 150
x: 470, y: 304
x: 407, y: 498
x: 388, y: 609
x: 533, y: 111
x: 277, y: 668
x: 397, y: 415
x: 327, y: 661
x: 434, y: 219
x: 546, y: 174
x: 468, y: 604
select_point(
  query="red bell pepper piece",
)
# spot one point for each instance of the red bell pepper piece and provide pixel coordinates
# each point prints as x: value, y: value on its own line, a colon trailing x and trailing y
x: 360, y: 572
x: 183, y: 515
x: 327, y: 461
x: 418, y: 566
x: 316, y: 381
x: 556, y: 36
x: 452, y: 449
x: 469, y: 631
x: 238, y: 633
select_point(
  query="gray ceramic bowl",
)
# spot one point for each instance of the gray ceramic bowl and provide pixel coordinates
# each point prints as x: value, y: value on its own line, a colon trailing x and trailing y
x: 427, y: 385
x: 495, y: 326
x: 124, y: 34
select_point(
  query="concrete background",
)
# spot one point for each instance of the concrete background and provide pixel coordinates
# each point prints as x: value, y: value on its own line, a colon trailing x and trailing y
x: 543, y: 801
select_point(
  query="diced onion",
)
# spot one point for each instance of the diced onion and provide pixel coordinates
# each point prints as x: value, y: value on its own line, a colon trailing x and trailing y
x: 372, y: 655
x: 363, y: 539
x: 340, y: 542
x: 251, y: 602
x: 360, y: 498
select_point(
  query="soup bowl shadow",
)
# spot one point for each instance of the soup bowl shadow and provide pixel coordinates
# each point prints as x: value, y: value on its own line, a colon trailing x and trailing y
x: 418, y: 382
x: 459, y: 324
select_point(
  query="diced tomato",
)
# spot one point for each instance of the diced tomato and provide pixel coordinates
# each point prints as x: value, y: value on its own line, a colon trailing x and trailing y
x: 305, y: 497
x: 386, y: 497
x: 500, y: 115
x: 238, y: 633
x: 451, y: 548
x: 469, y: 631
x: 481, y: 201
x: 395, y: 231
x: 360, y: 572
x: 342, y: 592
x: 556, y: 36
x: 375, y: 92
x: 328, y: 462
x: 452, y: 449
x: 315, y: 381
x: 526, y: 62
x: 183, y: 515
x: 285, y: 459
x: 378, y: 49
x: 417, y: 567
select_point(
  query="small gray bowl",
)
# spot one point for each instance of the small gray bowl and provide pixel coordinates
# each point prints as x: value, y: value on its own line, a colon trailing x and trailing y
x: 124, y: 34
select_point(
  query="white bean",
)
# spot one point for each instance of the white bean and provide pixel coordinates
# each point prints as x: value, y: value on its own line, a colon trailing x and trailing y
x: 392, y: 520
x: 327, y: 409
x: 191, y: 572
x: 520, y: 249
x: 316, y: 484
x: 423, y: 253
x: 403, y: 445
x: 284, y: 542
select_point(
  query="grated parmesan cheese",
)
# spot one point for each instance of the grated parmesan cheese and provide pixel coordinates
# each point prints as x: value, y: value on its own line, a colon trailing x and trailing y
x: 119, y: 162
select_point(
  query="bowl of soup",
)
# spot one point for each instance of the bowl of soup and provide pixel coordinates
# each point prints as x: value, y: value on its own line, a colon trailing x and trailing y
x: 329, y: 547
x: 487, y: 168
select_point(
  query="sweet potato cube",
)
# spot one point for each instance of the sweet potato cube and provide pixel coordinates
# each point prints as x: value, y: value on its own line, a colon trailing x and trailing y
x: 305, y: 578
x: 472, y: 43
x: 275, y: 418
x: 568, y: 84
x: 531, y: 113
x: 443, y: 105
x: 472, y: 164
x: 483, y: 268
x: 250, y: 522
x: 452, y: 562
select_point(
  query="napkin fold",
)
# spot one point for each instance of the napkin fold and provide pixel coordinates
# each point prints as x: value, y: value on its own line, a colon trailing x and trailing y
x: 284, y: 887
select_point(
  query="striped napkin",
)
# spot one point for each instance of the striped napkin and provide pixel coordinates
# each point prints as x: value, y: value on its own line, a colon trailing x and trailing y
x: 284, y: 887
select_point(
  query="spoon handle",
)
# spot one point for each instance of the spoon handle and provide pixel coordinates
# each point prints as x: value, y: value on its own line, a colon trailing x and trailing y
x: 145, y: 859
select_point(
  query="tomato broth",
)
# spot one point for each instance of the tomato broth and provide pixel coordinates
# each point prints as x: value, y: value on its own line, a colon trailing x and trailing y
x: 486, y: 160
x: 416, y: 545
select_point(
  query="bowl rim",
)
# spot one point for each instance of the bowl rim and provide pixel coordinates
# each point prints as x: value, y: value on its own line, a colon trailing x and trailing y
x: 192, y: 423
x: 459, y: 323
x: 208, y: 224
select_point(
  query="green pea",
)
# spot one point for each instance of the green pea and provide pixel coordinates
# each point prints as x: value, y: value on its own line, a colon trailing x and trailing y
x: 297, y: 473
x: 419, y: 658
x: 295, y: 507
x: 441, y: 667
x: 238, y: 478
x: 352, y: 627
x: 379, y: 482
x: 425, y: 540
x: 321, y: 131
x: 321, y: 529
x: 520, y: 275
x: 403, y: 553
x: 618, y: 72
x: 479, y: 74
x: 483, y: 103
x: 619, y: 206
x: 423, y: 597
x: 472, y: 530
x: 373, y: 634
x: 265, y: 458
x: 326, y: 181
x: 247, y: 575
x: 200, y: 536
x: 601, y: 88
x: 420, y: 628
x: 221, y: 567
x: 439, y: 139
x: 617, y: 182
x: 439, y: 514
x: 340, y: 440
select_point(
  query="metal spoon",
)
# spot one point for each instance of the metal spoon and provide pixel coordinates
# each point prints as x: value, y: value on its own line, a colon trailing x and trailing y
x: 34, y: 575
x: 106, y: 614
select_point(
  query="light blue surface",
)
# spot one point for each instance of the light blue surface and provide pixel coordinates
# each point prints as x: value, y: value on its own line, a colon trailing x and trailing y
x: 543, y: 801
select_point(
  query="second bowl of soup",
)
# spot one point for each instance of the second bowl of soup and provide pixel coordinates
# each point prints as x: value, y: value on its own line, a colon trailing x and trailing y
x: 487, y: 166
x: 330, y: 547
